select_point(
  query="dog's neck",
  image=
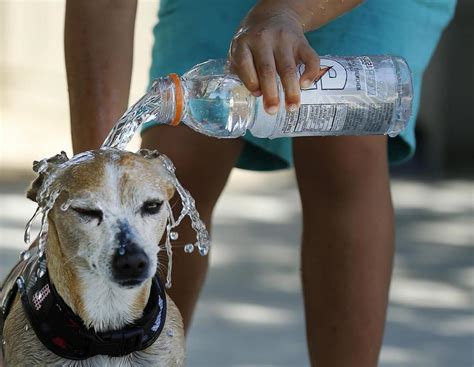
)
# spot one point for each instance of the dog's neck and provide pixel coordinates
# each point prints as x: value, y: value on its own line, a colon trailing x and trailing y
x: 101, y: 305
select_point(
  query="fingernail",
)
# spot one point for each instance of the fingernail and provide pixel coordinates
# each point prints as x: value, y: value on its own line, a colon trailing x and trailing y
x: 272, y: 110
x: 322, y: 72
x: 257, y: 93
x: 306, y: 83
x: 292, y: 107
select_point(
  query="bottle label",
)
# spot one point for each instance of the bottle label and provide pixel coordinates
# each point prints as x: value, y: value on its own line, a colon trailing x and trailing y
x: 357, y: 95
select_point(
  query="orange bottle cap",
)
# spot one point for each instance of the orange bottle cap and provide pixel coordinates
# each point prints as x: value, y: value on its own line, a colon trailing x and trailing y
x: 179, y: 100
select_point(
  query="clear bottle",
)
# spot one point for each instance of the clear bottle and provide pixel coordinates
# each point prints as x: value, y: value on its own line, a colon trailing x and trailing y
x: 358, y: 95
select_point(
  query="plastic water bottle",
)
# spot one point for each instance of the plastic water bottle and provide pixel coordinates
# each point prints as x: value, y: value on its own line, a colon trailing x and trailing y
x: 358, y: 95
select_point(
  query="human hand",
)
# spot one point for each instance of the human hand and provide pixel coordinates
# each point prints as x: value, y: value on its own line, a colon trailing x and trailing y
x: 271, y: 40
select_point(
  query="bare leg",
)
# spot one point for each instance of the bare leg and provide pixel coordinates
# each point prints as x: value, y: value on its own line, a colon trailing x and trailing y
x: 202, y: 165
x: 347, y: 246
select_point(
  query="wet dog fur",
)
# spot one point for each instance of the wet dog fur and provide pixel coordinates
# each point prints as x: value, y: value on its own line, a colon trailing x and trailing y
x: 107, y: 193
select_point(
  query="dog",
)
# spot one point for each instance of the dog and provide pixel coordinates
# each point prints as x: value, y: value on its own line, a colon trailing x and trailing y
x: 93, y: 298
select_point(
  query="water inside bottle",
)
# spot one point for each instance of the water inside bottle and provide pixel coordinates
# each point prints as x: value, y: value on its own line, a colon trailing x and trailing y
x: 212, y: 114
x: 218, y: 106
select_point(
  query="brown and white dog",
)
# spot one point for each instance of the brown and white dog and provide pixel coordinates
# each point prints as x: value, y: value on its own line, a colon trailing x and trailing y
x: 102, y: 257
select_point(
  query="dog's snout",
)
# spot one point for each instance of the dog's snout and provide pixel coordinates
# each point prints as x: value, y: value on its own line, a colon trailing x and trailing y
x: 130, y: 264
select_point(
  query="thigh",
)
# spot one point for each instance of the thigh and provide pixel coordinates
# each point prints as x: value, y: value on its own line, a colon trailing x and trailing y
x: 341, y: 174
x: 202, y: 163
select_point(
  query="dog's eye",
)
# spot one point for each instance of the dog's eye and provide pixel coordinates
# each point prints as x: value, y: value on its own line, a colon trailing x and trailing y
x: 90, y: 213
x: 151, y: 207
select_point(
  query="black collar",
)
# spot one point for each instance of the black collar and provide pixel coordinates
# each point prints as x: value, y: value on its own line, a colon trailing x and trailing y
x: 64, y: 333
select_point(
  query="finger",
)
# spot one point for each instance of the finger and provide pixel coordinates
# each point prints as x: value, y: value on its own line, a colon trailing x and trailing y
x: 264, y: 62
x: 286, y: 67
x: 242, y: 63
x: 310, y: 59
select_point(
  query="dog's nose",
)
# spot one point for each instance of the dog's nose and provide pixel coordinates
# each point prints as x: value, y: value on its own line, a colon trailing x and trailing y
x: 131, y: 265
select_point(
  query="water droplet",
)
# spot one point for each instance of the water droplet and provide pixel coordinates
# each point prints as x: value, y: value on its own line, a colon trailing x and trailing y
x: 189, y: 248
x: 4, y: 342
x: 121, y: 251
x: 25, y: 255
x: 169, y: 253
x: 20, y: 283
x: 203, y: 251
x: 29, y: 224
x: 170, y: 333
x: 188, y: 207
x: 174, y: 236
x: 40, y: 272
x: 43, y: 235
x: 65, y: 206
x: 42, y: 165
x: 26, y: 327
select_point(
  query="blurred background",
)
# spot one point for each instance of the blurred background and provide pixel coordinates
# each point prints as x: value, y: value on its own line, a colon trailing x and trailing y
x: 251, y: 311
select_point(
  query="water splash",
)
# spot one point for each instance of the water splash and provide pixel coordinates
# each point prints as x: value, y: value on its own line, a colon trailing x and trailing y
x: 25, y: 255
x: 50, y: 171
x: 48, y: 192
x: 40, y: 272
x: 188, y: 248
x: 27, y: 236
x: 65, y: 206
x: 188, y: 209
x: 174, y: 236
x: 169, y: 250
x: 145, y: 109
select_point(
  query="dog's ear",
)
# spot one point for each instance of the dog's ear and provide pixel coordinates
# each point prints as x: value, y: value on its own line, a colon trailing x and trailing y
x: 34, y: 188
x: 153, y: 154
x: 43, y: 168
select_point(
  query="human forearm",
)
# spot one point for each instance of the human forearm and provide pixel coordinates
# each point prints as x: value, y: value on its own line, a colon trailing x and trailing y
x: 98, y: 43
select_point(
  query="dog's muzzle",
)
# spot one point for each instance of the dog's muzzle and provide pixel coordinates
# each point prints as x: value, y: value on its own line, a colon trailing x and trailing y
x: 130, y: 265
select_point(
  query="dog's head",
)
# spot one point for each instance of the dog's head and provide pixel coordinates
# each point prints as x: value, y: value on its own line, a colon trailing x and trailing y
x: 110, y: 214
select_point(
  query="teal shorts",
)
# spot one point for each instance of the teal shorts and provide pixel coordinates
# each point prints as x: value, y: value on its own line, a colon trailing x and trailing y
x: 192, y: 31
